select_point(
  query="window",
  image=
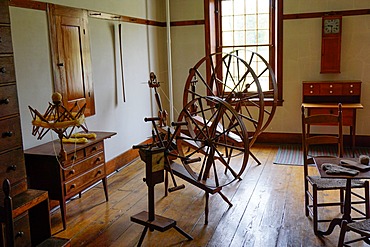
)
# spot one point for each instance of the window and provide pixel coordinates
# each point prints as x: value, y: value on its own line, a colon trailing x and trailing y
x: 247, y: 25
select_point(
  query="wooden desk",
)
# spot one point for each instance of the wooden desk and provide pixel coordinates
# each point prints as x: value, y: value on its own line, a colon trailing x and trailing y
x: 347, y: 200
x: 321, y: 97
x: 348, y: 111
x: 84, y: 166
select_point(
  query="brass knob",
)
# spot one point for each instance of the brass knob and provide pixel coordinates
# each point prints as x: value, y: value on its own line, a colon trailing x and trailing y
x: 94, y: 149
x: 3, y: 70
x: 331, y: 86
x: 330, y: 91
x: 311, y: 92
x: 351, y: 85
x: 72, y: 171
x: 99, y: 172
x: 73, y: 186
x: 311, y: 86
x: 350, y: 91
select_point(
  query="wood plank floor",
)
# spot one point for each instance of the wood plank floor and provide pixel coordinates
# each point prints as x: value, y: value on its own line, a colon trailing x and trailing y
x: 267, y: 210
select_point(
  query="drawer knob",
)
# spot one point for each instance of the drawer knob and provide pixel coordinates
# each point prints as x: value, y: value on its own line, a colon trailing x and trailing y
x: 3, y: 70
x: 13, y: 167
x: 350, y: 91
x: 7, y: 134
x: 311, y: 91
x: 19, y: 234
x: 311, y: 86
x: 330, y: 91
x: 4, y: 101
x: 331, y: 86
x: 97, y: 159
x: 94, y: 149
x: 72, y: 171
x: 74, y: 157
x: 73, y: 186
x: 99, y: 172
x: 351, y: 85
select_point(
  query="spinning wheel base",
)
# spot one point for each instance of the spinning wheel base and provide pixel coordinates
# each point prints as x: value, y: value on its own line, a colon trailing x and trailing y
x: 159, y: 223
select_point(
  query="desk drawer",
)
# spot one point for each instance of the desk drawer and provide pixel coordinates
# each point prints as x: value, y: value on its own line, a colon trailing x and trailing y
x: 83, y: 166
x: 6, y: 40
x: 12, y: 166
x: 73, y: 158
x: 8, y: 100
x: 22, y: 233
x: 351, y: 89
x: 7, y: 70
x: 10, y: 133
x: 88, y: 178
x: 311, y: 89
x: 4, y: 12
x: 331, y: 89
x: 93, y: 149
x: 347, y: 114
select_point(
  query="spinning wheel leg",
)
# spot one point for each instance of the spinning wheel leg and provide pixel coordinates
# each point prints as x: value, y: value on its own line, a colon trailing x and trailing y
x: 206, y: 210
x: 225, y: 199
x: 255, y: 158
x: 142, y: 236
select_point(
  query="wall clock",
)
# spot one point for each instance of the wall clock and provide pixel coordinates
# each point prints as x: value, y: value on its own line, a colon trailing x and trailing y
x: 331, y: 44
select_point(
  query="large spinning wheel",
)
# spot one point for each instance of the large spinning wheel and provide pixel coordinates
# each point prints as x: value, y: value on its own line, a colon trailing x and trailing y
x: 238, y: 82
x: 213, y: 145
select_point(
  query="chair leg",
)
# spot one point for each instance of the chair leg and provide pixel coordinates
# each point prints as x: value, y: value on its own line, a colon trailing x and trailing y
x: 367, y: 200
x: 306, y: 199
x: 342, y: 233
x: 314, y: 210
x: 341, y: 196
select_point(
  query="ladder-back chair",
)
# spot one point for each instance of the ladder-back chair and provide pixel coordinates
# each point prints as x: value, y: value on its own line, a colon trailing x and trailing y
x: 314, y: 184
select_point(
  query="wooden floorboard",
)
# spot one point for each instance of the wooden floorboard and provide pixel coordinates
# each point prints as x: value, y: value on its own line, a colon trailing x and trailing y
x: 267, y: 210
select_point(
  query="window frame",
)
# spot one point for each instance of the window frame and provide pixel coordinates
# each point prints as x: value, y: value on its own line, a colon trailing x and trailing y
x: 213, y: 37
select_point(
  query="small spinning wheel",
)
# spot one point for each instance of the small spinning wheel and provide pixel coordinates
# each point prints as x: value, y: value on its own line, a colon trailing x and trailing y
x: 235, y: 81
x: 213, y: 146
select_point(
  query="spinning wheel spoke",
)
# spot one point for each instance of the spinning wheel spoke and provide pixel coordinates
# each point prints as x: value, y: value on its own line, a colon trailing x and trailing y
x: 221, y: 138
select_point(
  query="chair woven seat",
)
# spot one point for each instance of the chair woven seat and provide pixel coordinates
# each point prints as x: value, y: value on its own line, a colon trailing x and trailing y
x: 363, y: 225
x: 328, y: 183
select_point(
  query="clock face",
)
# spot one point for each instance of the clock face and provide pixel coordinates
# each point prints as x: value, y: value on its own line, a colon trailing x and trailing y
x: 331, y: 26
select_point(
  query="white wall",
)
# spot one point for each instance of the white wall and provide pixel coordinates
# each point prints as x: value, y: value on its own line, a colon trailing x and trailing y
x: 301, y: 56
x: 143, y: 50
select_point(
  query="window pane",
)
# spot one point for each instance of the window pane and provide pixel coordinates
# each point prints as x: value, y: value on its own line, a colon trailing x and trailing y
x: 263, y: 6
x: 227, y: 38
x: 239, y: 38
x: 227, y: 8
x: 251, y: 6
x: 227, y: 23
x: 239, y: 7
x: 251, y: 22
x: 263, y: 37
x: 263, y: 21
x: 239, y: 22
x: 251, y: 37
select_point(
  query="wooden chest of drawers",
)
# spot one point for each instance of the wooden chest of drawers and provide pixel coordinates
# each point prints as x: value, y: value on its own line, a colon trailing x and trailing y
x: 84, y: 166
x: 320, y: 97
x: 26, y: 220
